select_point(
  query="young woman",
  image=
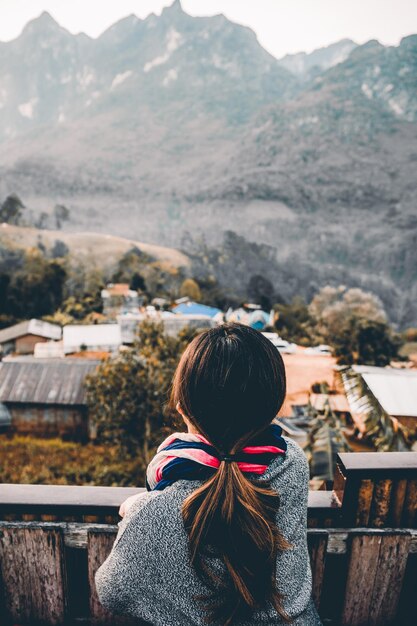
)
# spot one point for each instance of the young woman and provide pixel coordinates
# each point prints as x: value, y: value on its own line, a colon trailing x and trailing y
x: 221, y: 535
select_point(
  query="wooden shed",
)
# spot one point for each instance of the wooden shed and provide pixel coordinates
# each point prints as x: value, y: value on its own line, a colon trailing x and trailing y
x: 22, y: 338
x: 46, y: 397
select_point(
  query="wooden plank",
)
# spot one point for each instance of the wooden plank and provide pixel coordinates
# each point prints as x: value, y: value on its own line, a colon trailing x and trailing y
x: 33, y: 574
x: 410, y: 505
x: 362, y: 569
x: 99, y: 504
x: 388, y: 584
x: 356, y: 462
x: 62, y: 500
x: 99, y: 547
x: 365, y: 494
x: 15, y: 592
x: 317, y: 546
x: 407, y: 610
x: 380, y: 503
x: 399, y: 488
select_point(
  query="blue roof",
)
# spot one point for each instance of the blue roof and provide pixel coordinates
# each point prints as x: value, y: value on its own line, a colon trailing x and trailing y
x: 193, y: 308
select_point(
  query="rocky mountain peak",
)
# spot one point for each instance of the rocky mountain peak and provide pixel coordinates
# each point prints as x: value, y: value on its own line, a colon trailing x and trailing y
x: 175, y: 6
x: 42, y: 24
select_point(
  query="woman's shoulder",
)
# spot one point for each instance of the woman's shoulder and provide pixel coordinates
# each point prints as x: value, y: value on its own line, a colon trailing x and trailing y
x: 293, y: 464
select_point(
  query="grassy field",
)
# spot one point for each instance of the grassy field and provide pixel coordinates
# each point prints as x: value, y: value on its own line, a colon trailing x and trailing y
x: 55, y: 462
x: 105, y: 249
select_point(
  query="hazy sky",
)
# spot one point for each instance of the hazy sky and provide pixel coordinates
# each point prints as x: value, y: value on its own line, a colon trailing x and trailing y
x: 282, y: 26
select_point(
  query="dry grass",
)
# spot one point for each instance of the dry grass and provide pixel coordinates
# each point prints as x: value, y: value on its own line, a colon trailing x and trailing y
x: 104, y: 249
x: 52, y: 461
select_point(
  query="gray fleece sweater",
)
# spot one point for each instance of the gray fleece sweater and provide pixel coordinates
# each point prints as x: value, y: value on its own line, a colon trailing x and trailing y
x: 147, y: 574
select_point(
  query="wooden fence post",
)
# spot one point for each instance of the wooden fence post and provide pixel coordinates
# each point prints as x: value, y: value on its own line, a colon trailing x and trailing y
x: 33, y: 574
x: 376, y: 567
x: 377, y: 490
x: 317, y: 546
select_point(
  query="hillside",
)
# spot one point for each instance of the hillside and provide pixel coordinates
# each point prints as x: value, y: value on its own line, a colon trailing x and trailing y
x: 105, y: 249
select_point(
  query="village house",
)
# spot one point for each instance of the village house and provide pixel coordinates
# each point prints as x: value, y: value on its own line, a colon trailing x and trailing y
x: 91, y: 338
x: 118, y: 298
x: 173, y: 323
x: 393, y: 390
x: 45, y: 397
x: 22, y: 338
x: 187, y: 307
x: 252, y: 315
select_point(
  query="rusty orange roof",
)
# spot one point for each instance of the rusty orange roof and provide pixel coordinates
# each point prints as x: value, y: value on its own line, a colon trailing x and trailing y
x: 118, y: 289
x: 303, y: 371
x: 99, y: 355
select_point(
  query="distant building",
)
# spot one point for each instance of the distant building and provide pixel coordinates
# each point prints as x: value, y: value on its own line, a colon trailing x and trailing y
x: 49, y: 350
x: 251, y: 315
x: 91, y: 338
x: 173, y: 323
x: 22, y: 338
x: 118, y: 298
x: 195, y: 308
x: 45, y: 397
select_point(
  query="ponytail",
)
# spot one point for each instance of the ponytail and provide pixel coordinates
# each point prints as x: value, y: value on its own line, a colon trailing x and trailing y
x: 235, y: 519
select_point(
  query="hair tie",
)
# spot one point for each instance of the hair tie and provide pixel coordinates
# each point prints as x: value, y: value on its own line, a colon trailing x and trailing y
x: 228, y: 458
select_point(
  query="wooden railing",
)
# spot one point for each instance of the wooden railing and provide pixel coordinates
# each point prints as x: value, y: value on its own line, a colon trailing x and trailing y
x: 362, y: 541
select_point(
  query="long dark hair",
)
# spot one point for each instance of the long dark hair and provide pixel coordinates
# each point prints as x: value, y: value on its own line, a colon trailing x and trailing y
x: 230, y: 383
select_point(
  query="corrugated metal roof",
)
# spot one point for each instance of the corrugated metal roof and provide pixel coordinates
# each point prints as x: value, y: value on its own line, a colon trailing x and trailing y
x: 51, y: 381
x: 30, y: 327
x: 338, y: 402
x: 395, y: 389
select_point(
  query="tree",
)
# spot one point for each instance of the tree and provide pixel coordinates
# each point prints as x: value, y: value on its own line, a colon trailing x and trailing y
x: 42, y: 221
x: 127, y: 394
x: 366, y: 342
x: 137, y: 282
x: 35, y: 288
x: 334, y: 308
x: 61, y: 214
x: 78, y: 308
x: 261, y: 291
x: 59, y: 249
x: 190, y: 289
x: 294, y: 322
x: 11, y: 210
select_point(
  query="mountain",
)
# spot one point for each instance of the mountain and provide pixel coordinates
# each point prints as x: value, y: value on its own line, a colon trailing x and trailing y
x: 304, y: 64
x: 176, y: 124
x: 343, y: 156
x: 218, y: 68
